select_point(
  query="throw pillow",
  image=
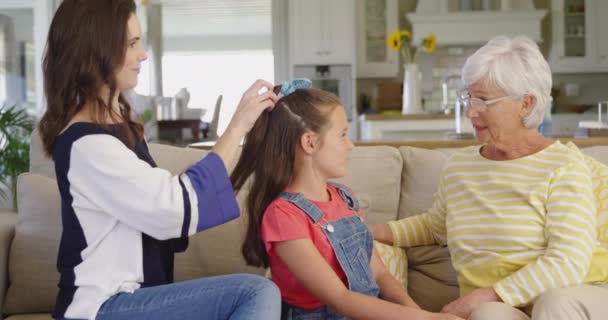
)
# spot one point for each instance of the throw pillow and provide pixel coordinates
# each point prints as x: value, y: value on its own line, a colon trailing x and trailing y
x: 394, y: 259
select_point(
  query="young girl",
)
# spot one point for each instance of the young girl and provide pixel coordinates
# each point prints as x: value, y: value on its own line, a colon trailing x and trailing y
x: 308, y: 230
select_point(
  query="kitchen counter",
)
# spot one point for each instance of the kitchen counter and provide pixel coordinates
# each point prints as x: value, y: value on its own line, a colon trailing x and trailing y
x: 399, y: 117
x: 426, y: 127
x: 440, y: 144
x: 431, y: 126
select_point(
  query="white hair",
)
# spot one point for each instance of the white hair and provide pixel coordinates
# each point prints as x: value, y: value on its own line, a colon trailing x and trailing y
x: 516, y: 66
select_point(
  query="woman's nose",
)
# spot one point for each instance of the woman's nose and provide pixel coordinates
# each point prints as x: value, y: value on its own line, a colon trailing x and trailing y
x: 470, y: 113
x: 351, y: 145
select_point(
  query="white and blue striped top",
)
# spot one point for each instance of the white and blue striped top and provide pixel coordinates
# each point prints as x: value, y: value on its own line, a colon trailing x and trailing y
x: 124, y: 218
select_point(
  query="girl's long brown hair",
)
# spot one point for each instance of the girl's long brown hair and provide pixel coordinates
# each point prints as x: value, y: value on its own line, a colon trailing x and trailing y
x: 269, y: 154
x: 86, y: 47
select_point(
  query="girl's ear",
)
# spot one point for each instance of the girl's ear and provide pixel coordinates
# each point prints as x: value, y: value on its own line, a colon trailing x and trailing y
x: 308, y: 142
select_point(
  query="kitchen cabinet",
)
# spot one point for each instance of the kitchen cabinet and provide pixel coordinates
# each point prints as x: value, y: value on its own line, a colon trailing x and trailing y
x: 376, y: 20
x: 579, y: 43
x: 602, y: 37
x: 461, y: 26
x: 321, y: 32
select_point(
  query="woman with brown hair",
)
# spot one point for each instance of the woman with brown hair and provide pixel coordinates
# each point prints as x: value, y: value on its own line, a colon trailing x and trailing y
x: 123, y: 218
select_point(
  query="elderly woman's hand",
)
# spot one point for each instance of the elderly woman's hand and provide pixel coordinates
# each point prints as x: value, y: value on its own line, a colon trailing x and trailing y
x: 464, y: 306
x: 381, y: 232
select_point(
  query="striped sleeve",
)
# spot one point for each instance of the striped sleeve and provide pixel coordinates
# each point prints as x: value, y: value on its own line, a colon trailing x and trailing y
x: 152, y: 200
x: 424, y: 229
x: 570, y: 233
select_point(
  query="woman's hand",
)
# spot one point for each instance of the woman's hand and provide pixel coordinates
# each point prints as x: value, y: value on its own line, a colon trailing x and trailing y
x: 252, y: 104
x: 464, y: 306
x: 382, y: 233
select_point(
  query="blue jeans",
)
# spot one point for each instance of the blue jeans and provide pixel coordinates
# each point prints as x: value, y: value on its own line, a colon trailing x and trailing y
x: 233, y: 297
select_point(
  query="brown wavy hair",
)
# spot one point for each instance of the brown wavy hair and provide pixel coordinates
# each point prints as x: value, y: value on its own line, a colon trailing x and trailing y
x: 86, y: 46
x: 269, y: 154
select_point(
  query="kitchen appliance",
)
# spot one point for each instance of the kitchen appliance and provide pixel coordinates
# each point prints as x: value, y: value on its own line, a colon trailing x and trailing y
x: 337, y: 79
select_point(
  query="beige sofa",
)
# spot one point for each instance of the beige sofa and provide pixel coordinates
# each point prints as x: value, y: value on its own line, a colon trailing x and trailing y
x: 391, y: 182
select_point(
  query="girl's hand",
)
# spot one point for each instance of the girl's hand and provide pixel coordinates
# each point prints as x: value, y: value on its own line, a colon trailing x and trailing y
x: 464, y: 306
x: 252, y: 104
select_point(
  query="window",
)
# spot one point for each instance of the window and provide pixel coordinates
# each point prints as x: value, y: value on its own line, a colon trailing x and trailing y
x: 208, y: 74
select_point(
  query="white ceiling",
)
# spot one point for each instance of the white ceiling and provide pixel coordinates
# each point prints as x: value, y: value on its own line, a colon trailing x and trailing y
x: 213, y: 18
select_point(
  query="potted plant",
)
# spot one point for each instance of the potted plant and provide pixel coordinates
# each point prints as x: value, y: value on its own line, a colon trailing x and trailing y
x: 15, y: 132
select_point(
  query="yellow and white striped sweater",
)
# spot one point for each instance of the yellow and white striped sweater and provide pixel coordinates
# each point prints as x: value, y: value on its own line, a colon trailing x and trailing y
x: 521, y: 226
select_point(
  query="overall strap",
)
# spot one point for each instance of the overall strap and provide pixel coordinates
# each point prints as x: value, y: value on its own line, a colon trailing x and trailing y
x: 347, y: 196
x: 313, y: 212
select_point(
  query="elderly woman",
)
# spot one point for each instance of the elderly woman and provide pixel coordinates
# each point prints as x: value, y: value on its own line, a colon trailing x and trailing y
x: 517, y: 213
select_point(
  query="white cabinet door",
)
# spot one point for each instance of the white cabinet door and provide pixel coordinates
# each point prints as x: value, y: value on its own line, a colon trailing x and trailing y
x: 602, y: 35
x: 321, y: 31
x: 305, y: 30
x: 376, y: 20
x: 339, y: 33
x: 577, y: 36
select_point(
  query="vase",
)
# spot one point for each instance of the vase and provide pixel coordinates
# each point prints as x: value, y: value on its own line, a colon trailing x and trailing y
x: 412, y: 77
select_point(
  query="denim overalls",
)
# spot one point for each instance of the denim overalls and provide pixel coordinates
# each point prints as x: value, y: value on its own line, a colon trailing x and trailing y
x: 352, y: 243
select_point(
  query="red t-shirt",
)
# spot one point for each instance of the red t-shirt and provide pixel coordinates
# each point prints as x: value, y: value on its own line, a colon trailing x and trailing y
x: 284, y: 221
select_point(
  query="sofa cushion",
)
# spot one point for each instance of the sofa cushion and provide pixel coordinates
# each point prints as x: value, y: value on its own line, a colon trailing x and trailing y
x: 40, y: 163
x: 599, y: 153
x: 175, y: 159
x: 395, y: 260
x: 34, y: 248
x: 432, y: 281
x: 420, y: 178
x: 374, y: 172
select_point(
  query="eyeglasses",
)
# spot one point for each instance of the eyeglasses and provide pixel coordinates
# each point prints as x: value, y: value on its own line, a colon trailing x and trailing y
x: 476, y: 104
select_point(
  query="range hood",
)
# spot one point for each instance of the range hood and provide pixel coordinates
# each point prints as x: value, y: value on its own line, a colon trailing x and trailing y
x: 453, y: 27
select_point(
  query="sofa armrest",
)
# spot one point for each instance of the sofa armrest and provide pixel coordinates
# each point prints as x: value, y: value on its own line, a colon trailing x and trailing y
x: 8, y: 220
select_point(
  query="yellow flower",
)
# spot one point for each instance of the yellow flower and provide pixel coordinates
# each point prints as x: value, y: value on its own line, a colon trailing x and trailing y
x: 430, y: 43
x: 394, y: 41
x: 400, y: 40
x: 405, y: 34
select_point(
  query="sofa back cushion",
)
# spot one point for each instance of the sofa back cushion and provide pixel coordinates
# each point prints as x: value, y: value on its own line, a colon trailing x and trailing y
x: 33, y: 275
x: 175, y: 159
x: 599, y: 153
x: 40, y: 163
x: 374, y: 176
x: 420, y: 179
